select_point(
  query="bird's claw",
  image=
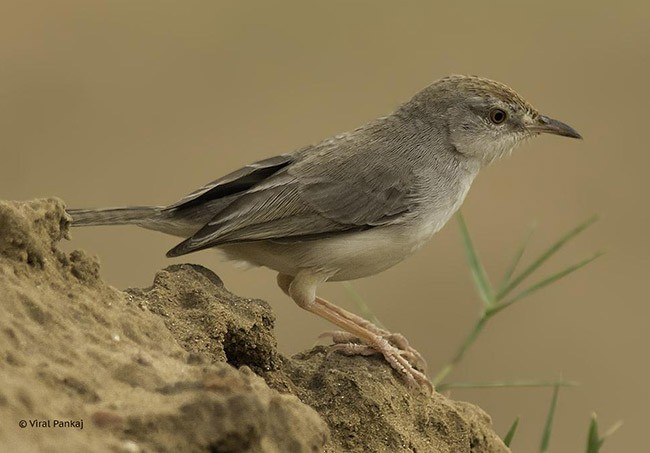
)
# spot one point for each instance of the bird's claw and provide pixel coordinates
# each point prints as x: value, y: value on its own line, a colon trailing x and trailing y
x: 405, y: 361
x: 355, y: 346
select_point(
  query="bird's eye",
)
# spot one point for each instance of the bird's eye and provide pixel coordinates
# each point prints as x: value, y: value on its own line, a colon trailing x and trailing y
x: 497, y: 116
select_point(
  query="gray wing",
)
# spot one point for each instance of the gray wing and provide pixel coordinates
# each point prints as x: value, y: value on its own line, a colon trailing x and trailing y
x: 317, y: 196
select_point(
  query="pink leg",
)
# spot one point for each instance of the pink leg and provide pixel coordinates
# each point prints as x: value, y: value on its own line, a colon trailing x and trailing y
x: 303, y: 291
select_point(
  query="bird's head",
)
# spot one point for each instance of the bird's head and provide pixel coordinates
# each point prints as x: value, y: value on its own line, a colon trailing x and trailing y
x: 486, y: 119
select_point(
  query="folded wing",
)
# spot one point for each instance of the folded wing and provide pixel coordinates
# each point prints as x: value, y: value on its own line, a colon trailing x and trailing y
x: 309, y: 198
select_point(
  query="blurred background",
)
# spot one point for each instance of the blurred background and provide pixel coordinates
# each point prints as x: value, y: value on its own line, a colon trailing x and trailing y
x: 109, y: 103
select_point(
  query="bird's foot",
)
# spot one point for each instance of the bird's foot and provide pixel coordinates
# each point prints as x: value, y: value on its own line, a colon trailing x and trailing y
x: 405, y: 360
x: 397, y: 340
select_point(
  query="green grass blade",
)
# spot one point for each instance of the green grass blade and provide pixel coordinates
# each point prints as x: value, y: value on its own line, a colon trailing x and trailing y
x: 460, y: 353
x: 593, y: 439
x: 545, y: 256
x: 366, y: 312
x: 548, y: 427
x: 478, y: 272
x: 541, y: 284
x: 517, y: 258
x: 505, y: 384
x: 511, y: 432
x: 441, y: 375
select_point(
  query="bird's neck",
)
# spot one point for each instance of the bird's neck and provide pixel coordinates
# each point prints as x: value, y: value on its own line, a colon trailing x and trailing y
x: 423, y: 144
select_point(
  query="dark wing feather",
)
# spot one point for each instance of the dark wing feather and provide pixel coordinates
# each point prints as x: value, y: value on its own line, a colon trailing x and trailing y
x: 235, y: 182
x: 315, y: 197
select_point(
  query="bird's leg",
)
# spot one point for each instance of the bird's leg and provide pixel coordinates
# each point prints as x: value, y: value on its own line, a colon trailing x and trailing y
x: 345, y: 341
x: 302, y: 290
x: 396, y: 339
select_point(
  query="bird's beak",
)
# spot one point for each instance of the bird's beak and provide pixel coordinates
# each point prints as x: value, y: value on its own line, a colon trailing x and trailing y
x: 544, y: 124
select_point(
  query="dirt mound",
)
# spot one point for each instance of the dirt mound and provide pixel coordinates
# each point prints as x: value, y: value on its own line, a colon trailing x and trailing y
x: 184, y: 366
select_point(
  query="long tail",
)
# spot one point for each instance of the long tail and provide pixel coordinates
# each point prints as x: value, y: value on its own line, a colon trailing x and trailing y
x: 113, y: 216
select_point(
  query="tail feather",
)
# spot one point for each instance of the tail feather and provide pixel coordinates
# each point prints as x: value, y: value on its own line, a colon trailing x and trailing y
x: 113, y: 216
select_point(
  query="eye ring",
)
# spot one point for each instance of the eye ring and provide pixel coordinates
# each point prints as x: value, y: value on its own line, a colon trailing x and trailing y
x: 498, y: 116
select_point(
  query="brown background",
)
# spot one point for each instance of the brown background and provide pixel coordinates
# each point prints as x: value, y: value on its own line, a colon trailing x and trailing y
x: 122, y: 102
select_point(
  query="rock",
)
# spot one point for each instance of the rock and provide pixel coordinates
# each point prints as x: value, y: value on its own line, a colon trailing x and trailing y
x: 185, y: 366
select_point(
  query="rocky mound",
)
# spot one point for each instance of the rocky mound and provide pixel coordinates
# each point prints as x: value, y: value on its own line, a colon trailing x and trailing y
x: 184, y: 366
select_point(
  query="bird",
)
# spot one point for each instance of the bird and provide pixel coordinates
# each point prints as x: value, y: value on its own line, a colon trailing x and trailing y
x: 352, y: 205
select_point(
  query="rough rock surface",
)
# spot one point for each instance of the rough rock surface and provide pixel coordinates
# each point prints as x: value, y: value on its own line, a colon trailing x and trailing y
x: 185, y: 366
